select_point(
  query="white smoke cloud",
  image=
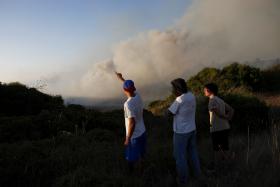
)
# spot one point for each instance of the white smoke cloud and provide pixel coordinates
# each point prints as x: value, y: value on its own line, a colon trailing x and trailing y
x: 211, y: 33
x: 233, y: 30
x: 100, y: 81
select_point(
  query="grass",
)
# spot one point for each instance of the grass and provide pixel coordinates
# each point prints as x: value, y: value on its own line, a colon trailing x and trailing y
x: 96, y: 159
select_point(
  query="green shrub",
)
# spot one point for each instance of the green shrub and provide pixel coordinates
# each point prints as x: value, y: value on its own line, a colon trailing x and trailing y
x: 249, y: 111
x: 230, y: 77
x: 17, y: 99
x: 271, y: 79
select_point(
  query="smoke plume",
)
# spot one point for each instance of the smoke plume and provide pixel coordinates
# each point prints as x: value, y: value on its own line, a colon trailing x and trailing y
x: 211, y: 33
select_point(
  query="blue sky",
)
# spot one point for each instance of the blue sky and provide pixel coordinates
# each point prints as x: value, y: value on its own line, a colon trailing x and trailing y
x: 40, y: 37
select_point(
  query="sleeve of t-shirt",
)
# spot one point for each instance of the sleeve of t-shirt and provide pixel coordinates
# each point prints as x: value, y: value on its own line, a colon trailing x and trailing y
x: 130, y: 111
x: 174, y: 107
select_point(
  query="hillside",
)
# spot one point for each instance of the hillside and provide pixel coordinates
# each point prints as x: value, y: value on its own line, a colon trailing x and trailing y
x: 43, y: 143
x: 17, y: 99
x: 234, y: 80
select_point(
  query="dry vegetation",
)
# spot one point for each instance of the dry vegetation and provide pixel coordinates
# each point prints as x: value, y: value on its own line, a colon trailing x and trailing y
x: 73, y: 146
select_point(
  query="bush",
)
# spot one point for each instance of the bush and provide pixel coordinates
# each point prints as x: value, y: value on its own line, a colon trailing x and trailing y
x: 230, y: 77
x: 160, y: 106
x: 16, y: 99
x: 271, y: 79
x: 249, y: 111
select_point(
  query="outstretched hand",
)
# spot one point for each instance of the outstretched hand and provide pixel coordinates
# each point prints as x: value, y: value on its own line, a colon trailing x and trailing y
x: 119, y: 75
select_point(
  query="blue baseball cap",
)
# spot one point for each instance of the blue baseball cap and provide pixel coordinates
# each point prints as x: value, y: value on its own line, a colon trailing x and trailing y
x: 129, y: 85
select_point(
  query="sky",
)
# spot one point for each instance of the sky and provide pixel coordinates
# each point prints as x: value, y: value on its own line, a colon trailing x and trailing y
x: 74, y: 46
x: 41, y: 38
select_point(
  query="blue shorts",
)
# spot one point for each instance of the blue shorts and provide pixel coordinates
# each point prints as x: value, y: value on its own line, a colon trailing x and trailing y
x: 136, y: 148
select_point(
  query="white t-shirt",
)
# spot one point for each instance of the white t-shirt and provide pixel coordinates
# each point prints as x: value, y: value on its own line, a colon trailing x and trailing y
x: 133, y: 108
x: 183, y: 109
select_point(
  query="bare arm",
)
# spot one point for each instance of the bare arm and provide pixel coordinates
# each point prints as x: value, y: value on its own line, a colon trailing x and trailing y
x: 119, y: 76
x: 131, y: 127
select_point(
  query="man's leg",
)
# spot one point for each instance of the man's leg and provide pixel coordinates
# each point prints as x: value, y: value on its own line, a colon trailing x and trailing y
x: 142, y: 145
x: 132, y: 155
x: 193, y: 154
x: 226, y: 145
x: 179, y: 152
x: 216, y: 149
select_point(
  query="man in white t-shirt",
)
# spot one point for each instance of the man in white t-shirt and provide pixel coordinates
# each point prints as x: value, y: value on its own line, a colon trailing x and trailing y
x: 135, y: 140
x: 184, y: 139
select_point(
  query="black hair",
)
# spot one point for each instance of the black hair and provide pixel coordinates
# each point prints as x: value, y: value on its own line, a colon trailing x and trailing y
x: 179, y: 85
x: 212, y: 87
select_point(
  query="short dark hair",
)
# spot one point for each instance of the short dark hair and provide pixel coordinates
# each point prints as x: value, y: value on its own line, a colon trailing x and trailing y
x: 212, y: 87
x: 179, y: 85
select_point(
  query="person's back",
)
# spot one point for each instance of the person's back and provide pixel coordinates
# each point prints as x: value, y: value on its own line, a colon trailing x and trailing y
x: 133, y: 107
x: 184, y: 109
x: 135, y: 139
x: 216, y: 121
x: 184, y: 137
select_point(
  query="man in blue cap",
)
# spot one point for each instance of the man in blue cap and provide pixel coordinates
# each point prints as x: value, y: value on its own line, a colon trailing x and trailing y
x: 135, y: 140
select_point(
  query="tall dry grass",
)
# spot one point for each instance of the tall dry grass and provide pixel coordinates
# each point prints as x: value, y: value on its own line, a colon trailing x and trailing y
x: 96, y: 159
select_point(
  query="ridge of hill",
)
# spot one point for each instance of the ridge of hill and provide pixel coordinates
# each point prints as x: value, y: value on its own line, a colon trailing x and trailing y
x: 234, y: 79
x: 17, y: 99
